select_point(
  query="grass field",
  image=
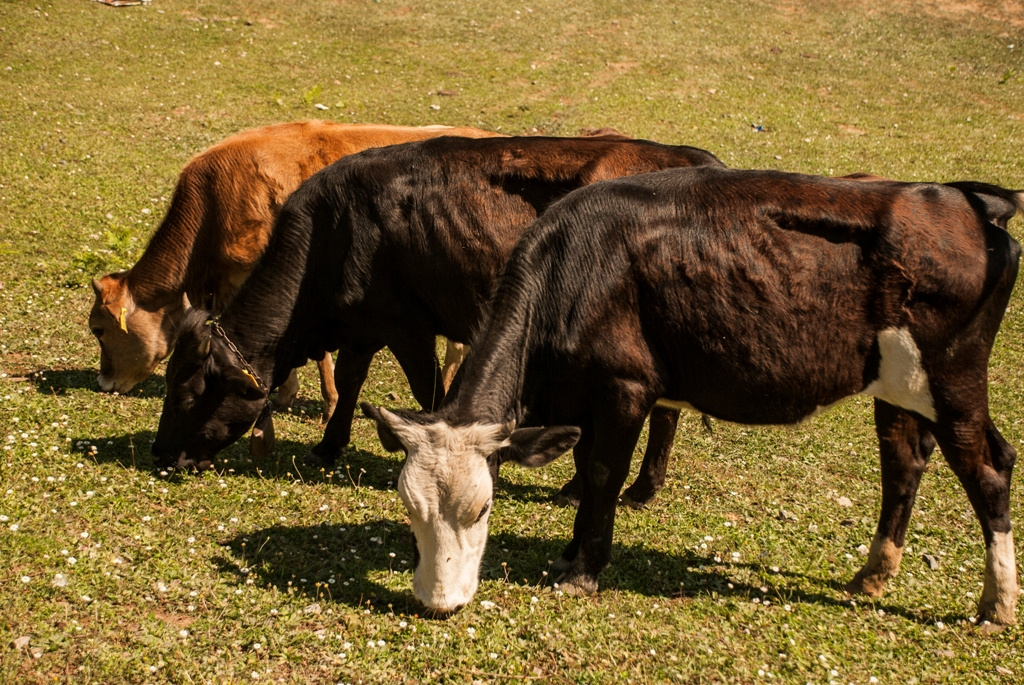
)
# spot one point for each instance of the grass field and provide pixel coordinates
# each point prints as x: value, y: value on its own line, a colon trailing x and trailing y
x: 271, y: 572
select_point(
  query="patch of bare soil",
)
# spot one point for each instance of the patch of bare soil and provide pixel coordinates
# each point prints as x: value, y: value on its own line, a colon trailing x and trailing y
x: 1009, y: 12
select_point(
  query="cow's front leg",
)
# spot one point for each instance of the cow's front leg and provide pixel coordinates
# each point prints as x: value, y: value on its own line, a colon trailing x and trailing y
x: 651, y: 479
x: 350, y: 371
x: 571, y: 493
x: 605, y: 474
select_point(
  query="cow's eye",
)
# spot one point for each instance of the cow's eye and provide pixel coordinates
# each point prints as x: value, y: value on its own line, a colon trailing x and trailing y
x: 98, y: 332
x: 483, y: 511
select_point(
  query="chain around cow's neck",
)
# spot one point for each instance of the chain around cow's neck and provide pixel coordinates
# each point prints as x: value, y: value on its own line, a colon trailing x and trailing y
x: 247, y: 367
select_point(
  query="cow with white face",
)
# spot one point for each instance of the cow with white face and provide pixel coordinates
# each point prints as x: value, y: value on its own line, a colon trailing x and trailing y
x: 755, y: 297
x: 447, y: 485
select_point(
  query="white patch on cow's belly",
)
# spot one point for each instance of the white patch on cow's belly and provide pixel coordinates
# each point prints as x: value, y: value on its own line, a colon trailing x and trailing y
x: 675, y: 404
x: 902, y: 381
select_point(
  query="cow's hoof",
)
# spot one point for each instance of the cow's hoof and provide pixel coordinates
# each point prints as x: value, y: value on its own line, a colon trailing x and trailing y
x: 564, y: 500
x: 193, y: 466
x: 635, y: 499
x: 319, y: 460
x: 282, y: 404
x: 995, y: 613
x: 987, y: 628
x: 867, y: 583
x: 569, y: 495
x: 577, y: 584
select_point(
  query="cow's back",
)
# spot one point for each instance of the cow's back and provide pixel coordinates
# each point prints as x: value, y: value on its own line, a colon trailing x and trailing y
x: 436, y: 220
x: 758, y: 297
x: 246, y: 179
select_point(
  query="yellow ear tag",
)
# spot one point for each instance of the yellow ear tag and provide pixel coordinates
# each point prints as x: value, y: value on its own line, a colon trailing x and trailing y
x: 124, y: 323
x: 251, y: 377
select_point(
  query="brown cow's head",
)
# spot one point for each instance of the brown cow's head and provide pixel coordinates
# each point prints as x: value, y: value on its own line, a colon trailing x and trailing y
x: 211, y: 401
x: 133, y: 338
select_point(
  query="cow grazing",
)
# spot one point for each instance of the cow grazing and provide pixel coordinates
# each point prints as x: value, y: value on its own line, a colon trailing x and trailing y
x: 216, y: 228
x: 390, y: 247
x: 757, y: 297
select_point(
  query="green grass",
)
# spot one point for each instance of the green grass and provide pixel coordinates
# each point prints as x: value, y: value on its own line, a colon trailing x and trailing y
x: 268, y: 572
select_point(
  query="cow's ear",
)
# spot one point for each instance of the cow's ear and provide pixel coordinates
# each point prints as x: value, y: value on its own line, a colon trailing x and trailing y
x: 113, y: 294
x: 390, y: 427
x: 533, y: 447
x: 203, y: 347
x: 242, y: 383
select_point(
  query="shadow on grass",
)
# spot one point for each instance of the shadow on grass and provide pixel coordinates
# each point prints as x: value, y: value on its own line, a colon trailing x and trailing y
x: 304, y: 560
x: 356, y: 467
x: 131, y: 451
x: 60, y: 381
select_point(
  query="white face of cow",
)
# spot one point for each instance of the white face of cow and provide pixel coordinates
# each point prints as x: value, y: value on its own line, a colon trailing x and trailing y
x: 447, y: 485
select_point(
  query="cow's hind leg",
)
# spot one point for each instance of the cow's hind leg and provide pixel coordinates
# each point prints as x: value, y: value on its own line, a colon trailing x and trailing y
x: 350, y: 373
x: 328, y: 388
x: 904, y: 447
x: 454, y: 354
x: 286, y: 392
x: 417, y: 354
x: 983, y: 461
x: 651, y: 478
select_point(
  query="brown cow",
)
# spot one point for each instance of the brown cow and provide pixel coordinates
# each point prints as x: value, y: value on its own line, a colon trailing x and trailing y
x: 217, y: 226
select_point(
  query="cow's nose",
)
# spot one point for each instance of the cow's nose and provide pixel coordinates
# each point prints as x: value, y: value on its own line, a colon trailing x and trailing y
x: 446, y: 611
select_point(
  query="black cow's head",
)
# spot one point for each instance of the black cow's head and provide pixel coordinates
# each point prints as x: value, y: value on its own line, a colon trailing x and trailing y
x: 211, y: 400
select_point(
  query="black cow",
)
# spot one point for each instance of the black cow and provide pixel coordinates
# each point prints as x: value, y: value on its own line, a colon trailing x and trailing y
x: 389, y: 247
x: 756, y: 297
